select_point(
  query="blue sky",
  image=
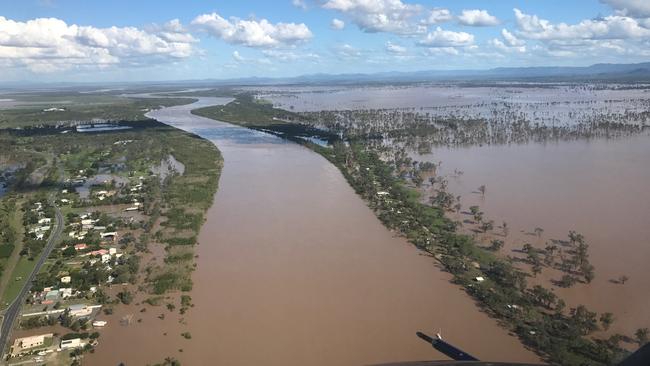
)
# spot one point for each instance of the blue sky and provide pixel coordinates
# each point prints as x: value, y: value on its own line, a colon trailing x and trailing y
x: 59, y: 40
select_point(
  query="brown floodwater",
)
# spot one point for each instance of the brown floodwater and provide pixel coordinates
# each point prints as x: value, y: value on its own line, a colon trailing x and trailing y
x: 295, y: 269
x: 599, y: 188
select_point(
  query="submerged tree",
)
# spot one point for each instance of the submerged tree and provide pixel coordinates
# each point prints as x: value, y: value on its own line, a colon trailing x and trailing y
x: 606, y: 320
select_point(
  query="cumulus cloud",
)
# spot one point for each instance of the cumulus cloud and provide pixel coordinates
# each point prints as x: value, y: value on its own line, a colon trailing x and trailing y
x: 50, y: 44
x: 438, y: 15
x: 395, y: 49
x: 252, y: 33
x: 610, y: 27
x: 477, y: 18
x: 632, y: 8
x: 444, y: 38
x: 337, y: 24
x: 372, y: 16
x: 347, y: 51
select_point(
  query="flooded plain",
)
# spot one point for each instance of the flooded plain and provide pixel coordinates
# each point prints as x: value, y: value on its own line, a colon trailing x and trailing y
x: 295, y: 269
x: 598, y: 188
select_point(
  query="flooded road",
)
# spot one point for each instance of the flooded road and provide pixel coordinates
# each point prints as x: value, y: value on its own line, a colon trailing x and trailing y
x: 598, y: 188
x: 294, y: 269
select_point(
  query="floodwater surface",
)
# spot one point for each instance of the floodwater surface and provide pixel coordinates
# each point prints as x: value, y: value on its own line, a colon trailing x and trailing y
x: 599, y: 188
x: 294, y: 269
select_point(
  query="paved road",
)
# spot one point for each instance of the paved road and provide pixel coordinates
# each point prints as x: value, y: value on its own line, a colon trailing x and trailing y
x: 14, y: 309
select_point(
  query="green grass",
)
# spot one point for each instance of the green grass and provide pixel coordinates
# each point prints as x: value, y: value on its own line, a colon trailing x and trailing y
x: 22, y: 270
x: 81, y: 108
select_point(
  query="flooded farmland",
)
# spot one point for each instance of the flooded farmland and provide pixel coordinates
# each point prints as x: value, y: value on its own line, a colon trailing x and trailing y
x: 294, y: 269
x: 598, y: 188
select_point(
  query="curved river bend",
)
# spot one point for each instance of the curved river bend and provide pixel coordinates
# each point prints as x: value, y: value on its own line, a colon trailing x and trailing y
x: 295, y: 269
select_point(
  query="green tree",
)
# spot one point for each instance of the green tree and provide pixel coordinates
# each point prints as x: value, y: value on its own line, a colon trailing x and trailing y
x: 641, y: 335
x: 606, y: 320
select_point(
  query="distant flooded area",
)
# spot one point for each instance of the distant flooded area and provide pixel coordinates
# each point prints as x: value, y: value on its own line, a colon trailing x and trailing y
x: 295, y: 269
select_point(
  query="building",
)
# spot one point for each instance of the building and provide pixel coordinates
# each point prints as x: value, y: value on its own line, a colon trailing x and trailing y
x: 111, y: 235
x: 80, y: 246
x: 80, y: 310
x: 99, y: 252
x: 72, y: 343
x: 26, y: 343
x: 45, y: 220
x: 51, y: 297
x: 66, y: 279
x: 99, y: 323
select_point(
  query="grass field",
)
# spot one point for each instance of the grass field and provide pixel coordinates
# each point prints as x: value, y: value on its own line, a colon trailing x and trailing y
x: 17, y: 280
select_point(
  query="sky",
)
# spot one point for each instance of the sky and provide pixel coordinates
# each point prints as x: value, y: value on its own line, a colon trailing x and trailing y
x: 146, y: 40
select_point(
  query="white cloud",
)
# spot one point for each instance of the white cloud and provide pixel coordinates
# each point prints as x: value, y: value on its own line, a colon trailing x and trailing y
x: 438, y: 15
x: 252, y: 33
x: 632, y: 8
x: 391, y: 16
x: 347, y: 51
x: 477, y: 18
x: 237, y: 56
x: 289, y: 56
x: 50, y: 44
x: 337, y: 24
x: 299, y: 4
x: 445, y: 38
x: 395, y: 49
x: 511, y: 39
x: 610, y: 27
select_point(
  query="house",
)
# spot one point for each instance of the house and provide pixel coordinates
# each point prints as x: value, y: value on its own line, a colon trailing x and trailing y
x: 66, y: 279
x: 479, y: 279
x: 45, y: 220
x: 112, y: 251
x: 43, y: 228
x: 106, y: 258
x: 86, y: 222
x: 65, y: 201
x: 65, y: 292
x: 40, y: 236
x: 24, y: 344
x: 110, y: 235
x: 51, y: 297
x: 80, y: 310
x: 128, y: 209
x: 99, y: 323
x: 99, y: 252
x: 72, y: 343
x: 80, y: 246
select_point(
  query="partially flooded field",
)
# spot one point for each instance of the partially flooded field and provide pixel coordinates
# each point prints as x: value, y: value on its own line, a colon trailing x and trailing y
x: 598, y: 188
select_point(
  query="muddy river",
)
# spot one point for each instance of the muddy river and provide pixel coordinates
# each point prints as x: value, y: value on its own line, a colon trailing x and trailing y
x: 294, y: 269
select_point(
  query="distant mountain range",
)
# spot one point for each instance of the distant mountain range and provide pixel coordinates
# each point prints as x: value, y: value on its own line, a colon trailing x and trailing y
x: 598, y: 72
x: 623, y: 73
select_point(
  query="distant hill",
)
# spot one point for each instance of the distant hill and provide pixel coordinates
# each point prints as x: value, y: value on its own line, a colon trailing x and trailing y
x: 607, y: 73
x: 624, y: 73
